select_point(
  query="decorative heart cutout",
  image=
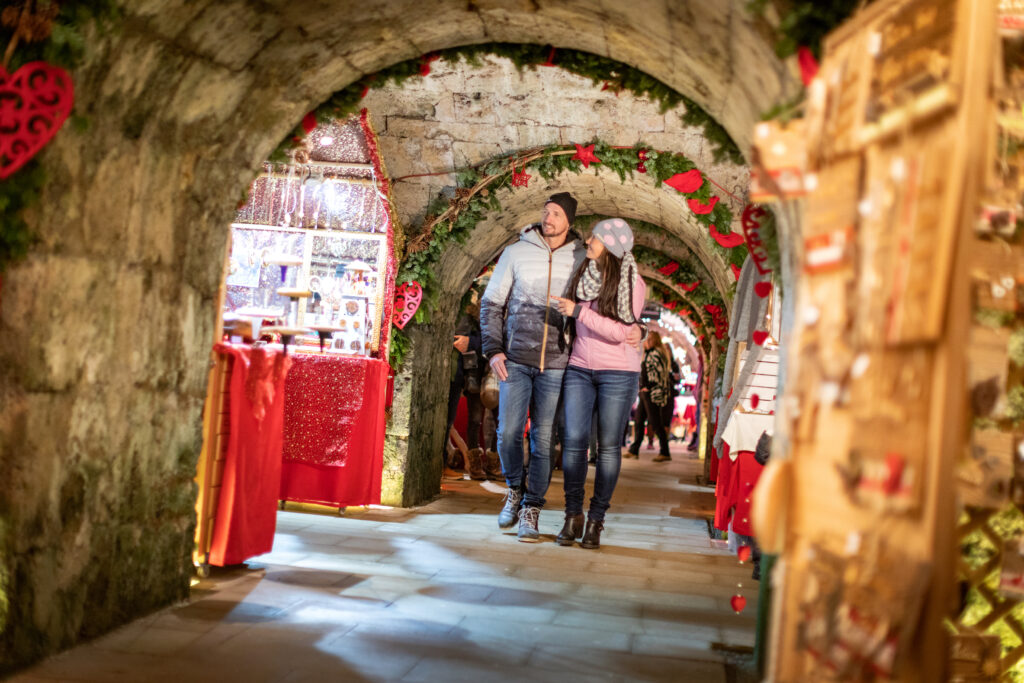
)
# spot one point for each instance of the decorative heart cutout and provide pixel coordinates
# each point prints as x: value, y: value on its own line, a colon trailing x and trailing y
x: 34, y: 103
x: 743, y: 553
x: 712, y: 309
x: 669, y: 268
x: 690, y: 286
x: 702, y: 209
x: 763, y: 289
x: 759, y: 337
x: 738, y: 602
x: 755, y: 400
x: 735, y: 270
x: 408, y: 297
x: 728, y: 239
x: 686, y: 182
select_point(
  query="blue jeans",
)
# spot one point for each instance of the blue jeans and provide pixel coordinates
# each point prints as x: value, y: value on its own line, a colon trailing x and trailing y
x: 612, y: 392
x: 528, y: 390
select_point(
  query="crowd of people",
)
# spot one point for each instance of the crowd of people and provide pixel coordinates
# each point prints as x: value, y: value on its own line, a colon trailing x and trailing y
x: 558, y: 330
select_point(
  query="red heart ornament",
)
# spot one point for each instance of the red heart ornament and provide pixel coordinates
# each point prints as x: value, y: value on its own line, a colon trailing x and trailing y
x: 702, y: 209
x: 738, y: 602
x: 743, y: 553
x: 759, y: 337
x: 686, y: 182
x: 689, y: 286
x: 34, y: 103
x: 755, y: 400
x: 727, y: 240
x: 669, y: 268
x: 763, y: 289
x: 408, y: 296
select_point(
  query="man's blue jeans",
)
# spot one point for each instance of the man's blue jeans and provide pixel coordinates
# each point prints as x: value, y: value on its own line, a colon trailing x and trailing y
x: 612, y: 392
x: 528, y: 390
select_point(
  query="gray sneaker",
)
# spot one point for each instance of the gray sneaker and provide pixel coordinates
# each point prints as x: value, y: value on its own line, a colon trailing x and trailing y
x: 528, y: 519
x: 508, y: 514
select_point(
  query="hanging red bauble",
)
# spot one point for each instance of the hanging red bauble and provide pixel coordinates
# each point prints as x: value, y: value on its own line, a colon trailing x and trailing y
x: 755, y: 401
x: 743, y: 553
x: 808, y: 65
x: 738, y: 602
x: 642, y: 155
x: 686, y: 182
x: 520, y: 179
x: 309, y: 122
x: 34, y: 102
x: 641, y: 168
x: 586, y: 155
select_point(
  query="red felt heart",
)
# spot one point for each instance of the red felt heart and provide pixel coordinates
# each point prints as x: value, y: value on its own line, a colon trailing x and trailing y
x: 669, y: 268
x: 702, y: 209
x: 727, y: 240
x: 690, y: 286
x: 763, y: 289
x: 755, y: 400
x: 738, y: 602
x: 743, y: 553
x: 759, y: 337
x: 34, y: 102
x: 686, y: 182
x: 735, y: 270
x: 408, y: 296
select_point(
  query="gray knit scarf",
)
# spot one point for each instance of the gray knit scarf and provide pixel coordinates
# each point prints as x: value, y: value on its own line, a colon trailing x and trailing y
x: 590, y: 286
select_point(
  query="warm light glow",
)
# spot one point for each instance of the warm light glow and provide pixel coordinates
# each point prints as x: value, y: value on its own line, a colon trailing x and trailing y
x: 326, y: 141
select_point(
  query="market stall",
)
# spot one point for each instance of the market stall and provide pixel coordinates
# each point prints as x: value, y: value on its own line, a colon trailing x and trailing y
x: 309, y: 275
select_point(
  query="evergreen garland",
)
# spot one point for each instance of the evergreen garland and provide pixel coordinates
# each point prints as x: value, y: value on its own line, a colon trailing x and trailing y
x: 595, y: 67
x: 805, y: 23
x: 65, y: 47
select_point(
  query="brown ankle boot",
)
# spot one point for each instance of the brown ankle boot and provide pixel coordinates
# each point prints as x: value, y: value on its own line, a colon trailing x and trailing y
x: 492, y: 466
x: 572, y: 530
x: 592, y: 535
x: 475, y: 466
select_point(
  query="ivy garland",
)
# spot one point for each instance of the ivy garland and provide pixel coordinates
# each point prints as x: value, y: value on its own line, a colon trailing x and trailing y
x: 65, y: 46
x: 598, y: 69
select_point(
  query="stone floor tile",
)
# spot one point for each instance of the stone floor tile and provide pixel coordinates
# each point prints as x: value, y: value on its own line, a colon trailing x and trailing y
x: 604, y: 665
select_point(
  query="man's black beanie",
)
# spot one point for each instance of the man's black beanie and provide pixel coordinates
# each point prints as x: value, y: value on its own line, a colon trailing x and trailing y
x: 567, y: 202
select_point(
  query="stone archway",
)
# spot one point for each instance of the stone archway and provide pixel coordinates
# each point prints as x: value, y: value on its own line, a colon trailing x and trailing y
x: 106, y: 325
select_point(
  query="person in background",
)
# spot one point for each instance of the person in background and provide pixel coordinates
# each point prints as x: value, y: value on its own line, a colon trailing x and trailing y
x: 603, y: 374
x: 467, y: 377
x: 522, y: 339
x: 654, y: 394
x: 675, y: 374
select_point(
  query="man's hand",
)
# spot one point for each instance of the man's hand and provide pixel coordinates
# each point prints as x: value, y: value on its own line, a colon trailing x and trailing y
x: 635, y: 337
x: 461, y: 343
x: 498, y: 366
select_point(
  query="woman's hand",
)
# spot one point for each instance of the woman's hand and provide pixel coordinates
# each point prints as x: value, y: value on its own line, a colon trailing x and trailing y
x: 563, y: 306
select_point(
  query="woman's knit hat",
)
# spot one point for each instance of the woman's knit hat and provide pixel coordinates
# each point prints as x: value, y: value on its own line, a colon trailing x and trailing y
x: 616, y: 235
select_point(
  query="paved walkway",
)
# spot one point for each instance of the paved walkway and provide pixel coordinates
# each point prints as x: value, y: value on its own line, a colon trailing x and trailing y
x: 438, y: 593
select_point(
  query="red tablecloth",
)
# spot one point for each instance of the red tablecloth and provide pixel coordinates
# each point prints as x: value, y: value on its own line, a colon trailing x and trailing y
x: 736, y: 481
x: 247, y: 505
x: 334, y: 430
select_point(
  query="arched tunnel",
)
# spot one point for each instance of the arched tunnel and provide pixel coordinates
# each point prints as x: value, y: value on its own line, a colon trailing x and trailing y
x: 112, y: 259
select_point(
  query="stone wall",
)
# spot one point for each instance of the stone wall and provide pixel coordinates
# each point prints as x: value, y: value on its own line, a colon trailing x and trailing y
x: 105, y: 328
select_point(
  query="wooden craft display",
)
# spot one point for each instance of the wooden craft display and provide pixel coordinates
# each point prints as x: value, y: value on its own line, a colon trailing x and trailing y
x: 897, y: 122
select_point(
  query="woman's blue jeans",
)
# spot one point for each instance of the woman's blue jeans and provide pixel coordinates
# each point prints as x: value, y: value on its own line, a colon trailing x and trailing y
x: 612, y: 392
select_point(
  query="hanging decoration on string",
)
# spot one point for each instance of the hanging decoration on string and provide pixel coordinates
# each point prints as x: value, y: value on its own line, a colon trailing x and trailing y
x: 642, y: 156
x: 408, y: 296
x: 728, y: 240
x: 763, y: 289
x: 701, y: 208
x: 37, y: 98
x: 686, y: 183
x: 760, y: 337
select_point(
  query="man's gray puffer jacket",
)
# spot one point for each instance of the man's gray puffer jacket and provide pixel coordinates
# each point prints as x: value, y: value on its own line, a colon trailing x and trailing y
x: 513, y: 306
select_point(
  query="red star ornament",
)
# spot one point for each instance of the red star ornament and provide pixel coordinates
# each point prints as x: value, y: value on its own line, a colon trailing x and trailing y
x: 586, y: 155
x: 520, y: 179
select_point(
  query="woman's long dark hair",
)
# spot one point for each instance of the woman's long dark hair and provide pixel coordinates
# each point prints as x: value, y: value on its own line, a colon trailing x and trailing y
x: 610, y: 267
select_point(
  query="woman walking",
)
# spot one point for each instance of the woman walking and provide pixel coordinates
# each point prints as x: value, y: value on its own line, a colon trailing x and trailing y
x: 603, y: 373
x: 654, y: 394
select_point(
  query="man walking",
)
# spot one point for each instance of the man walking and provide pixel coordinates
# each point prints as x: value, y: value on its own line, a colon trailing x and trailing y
x: 522, y: 338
